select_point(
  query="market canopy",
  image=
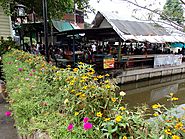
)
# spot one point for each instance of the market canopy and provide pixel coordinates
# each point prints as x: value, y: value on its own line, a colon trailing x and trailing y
x: 64, y: 25
x: 135, y: 30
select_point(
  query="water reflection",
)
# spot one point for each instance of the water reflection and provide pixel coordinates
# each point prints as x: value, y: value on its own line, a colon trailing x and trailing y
x: 155, y: 90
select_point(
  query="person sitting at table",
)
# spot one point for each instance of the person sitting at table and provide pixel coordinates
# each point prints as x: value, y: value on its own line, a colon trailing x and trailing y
x: 68, y: 54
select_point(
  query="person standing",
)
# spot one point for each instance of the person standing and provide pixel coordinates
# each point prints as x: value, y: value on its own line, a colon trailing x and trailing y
x: 93, y: 48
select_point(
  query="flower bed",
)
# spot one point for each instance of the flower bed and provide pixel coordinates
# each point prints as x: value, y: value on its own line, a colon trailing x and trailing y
x: 75, y: 103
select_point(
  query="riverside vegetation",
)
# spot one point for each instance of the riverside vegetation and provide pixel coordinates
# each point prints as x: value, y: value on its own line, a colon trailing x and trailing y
x: 77, y: 103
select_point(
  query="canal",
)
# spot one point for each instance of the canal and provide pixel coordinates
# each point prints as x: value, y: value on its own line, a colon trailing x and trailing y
x: 154, y: 91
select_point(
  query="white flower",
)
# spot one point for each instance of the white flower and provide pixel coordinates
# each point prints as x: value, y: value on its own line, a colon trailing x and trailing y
x: 122, y: 93
x: 66, y: 101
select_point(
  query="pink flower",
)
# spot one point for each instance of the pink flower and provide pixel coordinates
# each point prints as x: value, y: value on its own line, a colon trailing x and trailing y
x: 27, y: 79
x: 70, y: 127
x: 87, y: 126
x: 20, y: 69
x: 33, y: 70
x: 86, y: 119
x: 31, y: 74
x: 8, y: 113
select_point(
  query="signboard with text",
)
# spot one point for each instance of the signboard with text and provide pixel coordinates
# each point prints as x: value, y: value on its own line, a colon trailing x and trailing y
x: 108, y: 63
x: 167, y: 60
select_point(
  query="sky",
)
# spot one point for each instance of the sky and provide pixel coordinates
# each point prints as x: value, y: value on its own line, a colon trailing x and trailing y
x: 124, y: 9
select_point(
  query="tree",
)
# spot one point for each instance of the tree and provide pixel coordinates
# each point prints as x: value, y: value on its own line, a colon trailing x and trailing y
x: 56, y: 8
x: 173, y: 10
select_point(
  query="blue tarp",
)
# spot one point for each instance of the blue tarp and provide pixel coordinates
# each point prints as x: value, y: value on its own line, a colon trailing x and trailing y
x: 174, y: 45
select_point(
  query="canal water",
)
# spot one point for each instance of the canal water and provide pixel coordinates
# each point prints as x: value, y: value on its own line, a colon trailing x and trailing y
x: 154, y: 91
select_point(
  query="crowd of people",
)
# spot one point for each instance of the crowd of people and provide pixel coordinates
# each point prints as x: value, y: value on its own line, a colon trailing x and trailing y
x: 92, y: 52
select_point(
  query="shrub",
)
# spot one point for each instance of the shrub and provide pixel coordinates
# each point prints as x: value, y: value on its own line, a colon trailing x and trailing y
x: 6, y: 45
x: 76, y: 103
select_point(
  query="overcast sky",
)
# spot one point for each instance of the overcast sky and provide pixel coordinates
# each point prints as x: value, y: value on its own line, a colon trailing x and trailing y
x: 123, y: 8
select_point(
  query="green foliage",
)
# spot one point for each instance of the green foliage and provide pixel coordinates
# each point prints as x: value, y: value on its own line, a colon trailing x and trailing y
x: 173, y: 10
x: 46, y: 99
x: 56, y: 9
x: 6, y: 45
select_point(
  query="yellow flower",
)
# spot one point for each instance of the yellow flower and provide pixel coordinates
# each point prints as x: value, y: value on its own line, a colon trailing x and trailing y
x: 107, y: 75
x: 113, y: 100
x: 84, y: 77
x: 78, y: 94
x: 122, y: 93
x: 171, y: 94
x: 156, y: 106
x: 155, y: 114
x: 43, y: 65
x: 82, y: 81
x: 82, y: 96
x: 76, y: 113
x: 179, y: 125
x: 118, y: 118
x: 107, y: 119
x: 174, y: 99
x: 75, y: 69
x: 91, y: 69
x: 168, y: 131
x: 68, y: 66
x: 100, y: 76
x: 99, y: 114
x: 122, y: 108
x: 80, y: 63
x: 85, y: 87
x: 106, y: 81
x: 107, y: 86
x: 124, y: 137
x: 72, y: 91
x: 91, y: 73
x: 96, y: 79
x: 175, y: 137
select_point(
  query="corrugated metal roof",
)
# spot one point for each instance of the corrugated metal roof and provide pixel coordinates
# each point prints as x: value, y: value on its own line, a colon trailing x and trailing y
x: 136, y: 30
x: 139, y: 28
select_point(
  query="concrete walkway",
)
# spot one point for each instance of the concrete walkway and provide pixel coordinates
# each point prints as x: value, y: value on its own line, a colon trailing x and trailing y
x: 7, y: 129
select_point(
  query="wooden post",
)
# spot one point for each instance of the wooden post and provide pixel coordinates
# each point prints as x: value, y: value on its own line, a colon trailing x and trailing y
x: 30, y: 38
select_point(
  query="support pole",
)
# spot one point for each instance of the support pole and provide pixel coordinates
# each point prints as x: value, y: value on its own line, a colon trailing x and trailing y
x: 119, y: 51
x: 74, y: 60
x: 44, y: 2
x: 37, y: 37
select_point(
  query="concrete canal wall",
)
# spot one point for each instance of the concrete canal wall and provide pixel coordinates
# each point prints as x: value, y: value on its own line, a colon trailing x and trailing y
x: 135, y: 75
